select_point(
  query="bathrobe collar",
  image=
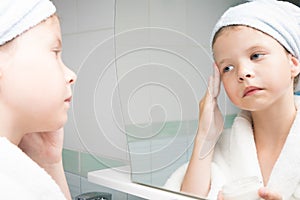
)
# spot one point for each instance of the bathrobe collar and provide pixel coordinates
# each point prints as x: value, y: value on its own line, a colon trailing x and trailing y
x: 22, y: 178
x: 285, y: 175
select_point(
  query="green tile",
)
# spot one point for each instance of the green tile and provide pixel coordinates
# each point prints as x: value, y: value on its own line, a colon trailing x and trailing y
x: 229, y: 119
x: 138, y: 132
x: 71, y: 161
x: 167, y: 129
x: 89, y: 162
x: 193, y: 125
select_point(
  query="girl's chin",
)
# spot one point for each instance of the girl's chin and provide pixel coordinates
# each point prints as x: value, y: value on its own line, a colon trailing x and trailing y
x: 58, y: 125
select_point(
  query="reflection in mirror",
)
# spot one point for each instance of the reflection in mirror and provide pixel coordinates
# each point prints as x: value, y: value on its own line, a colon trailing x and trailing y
x: 163, y: 63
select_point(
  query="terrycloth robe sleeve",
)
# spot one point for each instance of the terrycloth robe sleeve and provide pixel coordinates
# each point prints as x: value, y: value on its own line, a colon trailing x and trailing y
x: 220, y: 165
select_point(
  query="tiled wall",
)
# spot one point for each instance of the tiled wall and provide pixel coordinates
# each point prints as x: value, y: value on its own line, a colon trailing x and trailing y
x: 163, y: 62
x: 166, y: 151
x: 93, y: 134
x: 164, y: 57
x: 78, y: 164
x: 88, y: 49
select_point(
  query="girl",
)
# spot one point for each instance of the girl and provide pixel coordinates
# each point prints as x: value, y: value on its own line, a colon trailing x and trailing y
x: 256, y: 49
x: 35, y: 94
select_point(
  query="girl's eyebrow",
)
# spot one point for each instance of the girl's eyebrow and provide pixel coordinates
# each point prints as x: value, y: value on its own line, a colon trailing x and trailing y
x: 222, y: 61
x: 255, y: 47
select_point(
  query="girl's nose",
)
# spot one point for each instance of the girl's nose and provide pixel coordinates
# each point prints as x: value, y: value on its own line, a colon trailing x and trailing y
x: 70, y: 76
x: 245, y: 73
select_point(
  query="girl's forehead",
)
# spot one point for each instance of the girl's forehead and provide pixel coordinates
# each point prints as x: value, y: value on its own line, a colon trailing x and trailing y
x: 43, y: 35
x: 240, y: 36
x: 235, y: 40
x: 234, y: 28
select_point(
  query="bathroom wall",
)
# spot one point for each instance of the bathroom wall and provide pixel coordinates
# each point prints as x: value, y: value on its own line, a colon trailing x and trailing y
x: 88, y: 49
x: 94, y: 133
x: 94, y: 137
x: 164, y: 57
x: 163, y: 64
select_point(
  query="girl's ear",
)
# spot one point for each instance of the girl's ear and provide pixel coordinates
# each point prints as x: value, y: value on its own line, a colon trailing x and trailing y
x: 295, y: 66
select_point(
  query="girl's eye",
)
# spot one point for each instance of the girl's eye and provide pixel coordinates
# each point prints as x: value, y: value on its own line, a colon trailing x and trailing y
x: 227, y: 68
x: 256, y: 56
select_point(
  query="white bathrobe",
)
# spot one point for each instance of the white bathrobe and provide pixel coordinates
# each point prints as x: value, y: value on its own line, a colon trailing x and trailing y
x: 22, y: 178
x: 235, y: 157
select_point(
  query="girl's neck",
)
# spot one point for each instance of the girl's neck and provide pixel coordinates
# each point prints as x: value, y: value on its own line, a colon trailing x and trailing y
x: 271, y: 128
x: 273, y: 124
x: 9, y: 129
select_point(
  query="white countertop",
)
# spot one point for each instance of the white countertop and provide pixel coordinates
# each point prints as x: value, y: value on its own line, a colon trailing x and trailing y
x: 119, y: 179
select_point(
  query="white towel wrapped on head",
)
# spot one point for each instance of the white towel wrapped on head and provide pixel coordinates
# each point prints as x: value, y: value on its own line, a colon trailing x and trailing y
x: 17, y: 16
x: 279, y: 19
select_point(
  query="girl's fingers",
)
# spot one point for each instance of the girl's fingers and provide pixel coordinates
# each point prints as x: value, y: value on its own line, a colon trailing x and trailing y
x: 208, y: 98
x: 216, y: 81
x: 268, y: 195
x: 220, y: 196
x: 211, y: 87
x: 210, y: 119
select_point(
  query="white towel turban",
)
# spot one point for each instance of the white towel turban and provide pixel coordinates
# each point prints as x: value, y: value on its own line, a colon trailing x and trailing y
x: 17, y: 16
x: 279, y: 19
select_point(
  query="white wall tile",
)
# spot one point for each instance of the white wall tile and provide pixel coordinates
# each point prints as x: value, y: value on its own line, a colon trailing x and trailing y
x: 134, y: 38
x: 96, y: 102
x: 202, y: 16
x: 93, y: 55
x: 171, y: 15
x: 71, y: 54
x: 132, y: 72
x: 127, y: 12
x: 66, y: 11
x: 168, y: 14
x: 95, y: 14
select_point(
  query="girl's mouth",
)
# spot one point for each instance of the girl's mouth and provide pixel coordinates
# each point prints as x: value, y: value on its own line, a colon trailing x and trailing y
x: 68, y: 99
x: 251, y: 90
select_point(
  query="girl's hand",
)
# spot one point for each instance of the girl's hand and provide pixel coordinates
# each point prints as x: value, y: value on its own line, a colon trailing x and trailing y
x: 220, y: 196
x: 44, y: 148
x: 211, y: 121
x: 197, y: 178
x: 266, y: 194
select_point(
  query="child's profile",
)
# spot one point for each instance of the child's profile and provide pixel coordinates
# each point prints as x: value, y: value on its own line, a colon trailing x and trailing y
x: 35, y: 95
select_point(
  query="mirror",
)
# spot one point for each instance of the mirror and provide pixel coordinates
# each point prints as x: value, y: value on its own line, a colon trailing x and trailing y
x: 163, y: 62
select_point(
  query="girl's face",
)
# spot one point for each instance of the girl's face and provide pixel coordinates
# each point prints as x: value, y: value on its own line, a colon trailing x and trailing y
x: 35, y: 85
x: 255, y: 69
